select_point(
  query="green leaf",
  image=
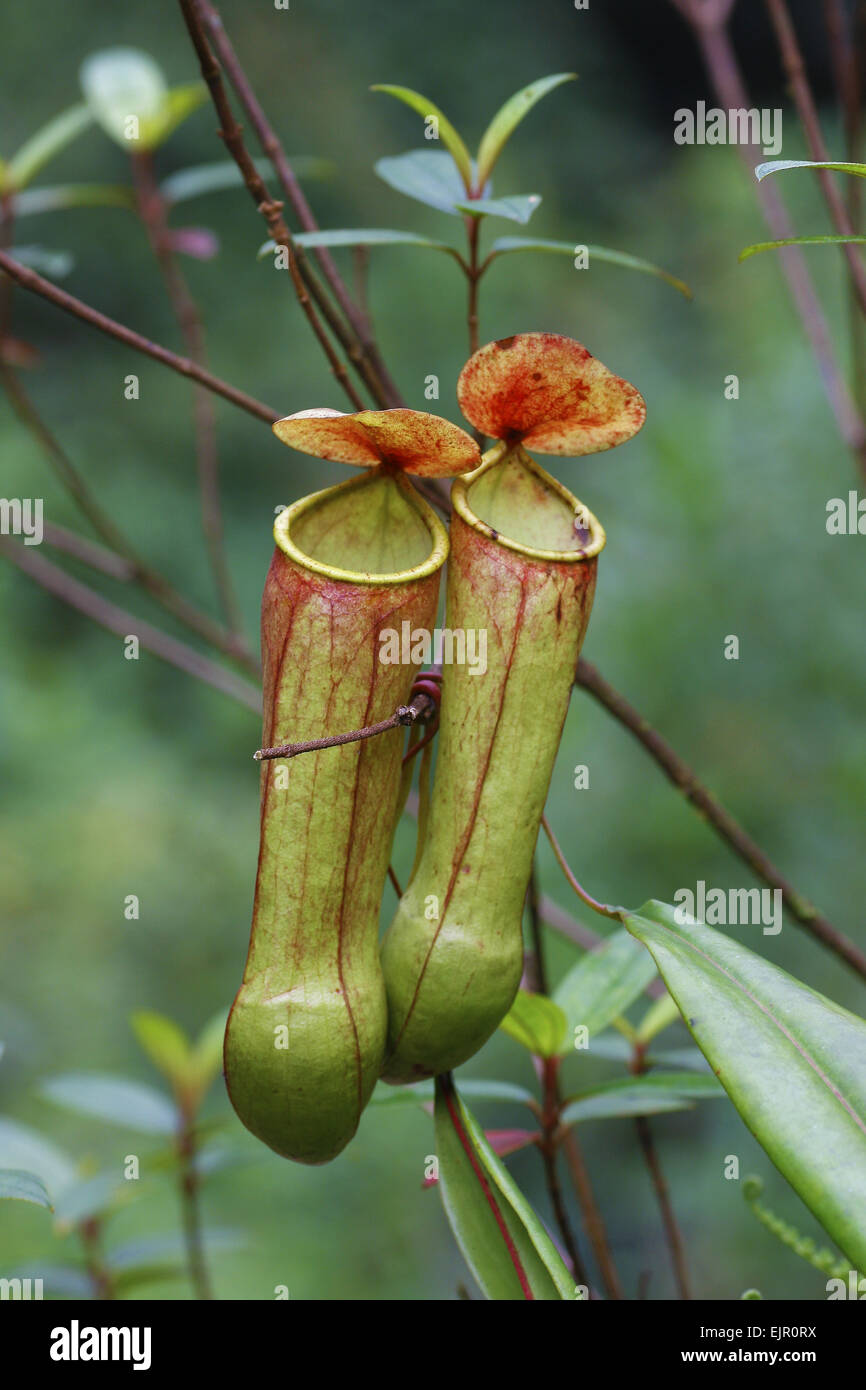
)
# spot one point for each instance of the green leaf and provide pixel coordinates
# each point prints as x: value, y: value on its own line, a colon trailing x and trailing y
x: 502, y: 1240
x: 424, y: 1092
x: 506, y: 244
x: 792, y: 1061
x: 21, y: 1186
x: 61, y: 1281
x: 36, y: 152
x: 659, y: 1016
x: 604, y: 983
x: 54, y: 264
x: 649, y: 1094
x: 536, y: 1022
x: 73, y: 195
x: 224, y: 173
x: 517, y: 207
x: 426, y: 175
x: 206, y: 1058
x: 800, y: 241
x: 509, y: 116
x: 158, y: 1249
x: 369, y: 236
x: 113, y: 1098
x: 179, y: 103
x: 123, y: 82
x: 26, y: 1149
x: 165, y: 1043
x: 447, y: 134
x: 775, y: 166
x: 119, y: 83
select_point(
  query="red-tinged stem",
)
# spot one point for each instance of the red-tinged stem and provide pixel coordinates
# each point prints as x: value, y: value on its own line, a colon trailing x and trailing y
x: 602, y: 908
x: 448, y: 1095
x: 673, y: 1235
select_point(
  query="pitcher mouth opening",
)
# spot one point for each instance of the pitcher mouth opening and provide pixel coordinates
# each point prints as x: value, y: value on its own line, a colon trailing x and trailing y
x: 302, y: 532
x: 550, y: 509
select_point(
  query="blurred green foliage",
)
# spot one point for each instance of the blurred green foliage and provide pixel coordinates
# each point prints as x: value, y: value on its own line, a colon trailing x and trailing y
x: 126, y: 777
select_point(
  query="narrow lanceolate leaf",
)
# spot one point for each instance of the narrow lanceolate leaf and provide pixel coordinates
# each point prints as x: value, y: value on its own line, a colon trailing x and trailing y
x: 502, y: 1240
x: 447, y: 134
x: 206, y: 1059
x: 536, y: 1022
x: 660, y: 1015
x: 23, y: 1187
x: 90, y: 1197
x: 776, y: 166
x: 424, y: 1092
x: 114, y: 1099
x: 369, y: 236
x: 828, y: 240
x: 509, y: 116
x: 650, y: 1094
x: 165, y: 1043
x: 426, y: 175
x: 220, y: 174
x: 507, y: 244
x: 603, y: 984
x: 57, y: 198
x: 46, y: 143
x: 517, y: 207
x: 792, y: 1061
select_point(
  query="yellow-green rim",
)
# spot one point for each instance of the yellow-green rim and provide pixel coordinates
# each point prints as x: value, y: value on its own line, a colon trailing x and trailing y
x: 438, y: 535
x: 494, y: 456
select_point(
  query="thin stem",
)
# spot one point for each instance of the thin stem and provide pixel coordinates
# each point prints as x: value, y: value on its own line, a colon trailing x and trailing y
x: 792, y: 60
x: 418, y: 708
x: 90, y: 1232
x: 191, y: 1212
x: 709, y: 25
x: 474, y: 277
x: 362, y: 349
x: 271, y: 210
x: 673, y: 1234
x: 602, y: 908
x: 721, y: 821
x: 29, y: 280
x: 153, y: 211
x: 57, y: 582
x: 592, y: 1216
x: 551, y: 1107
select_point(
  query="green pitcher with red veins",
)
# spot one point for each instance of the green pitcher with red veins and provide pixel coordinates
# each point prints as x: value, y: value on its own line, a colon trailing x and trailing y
x: 306, y: 1035
x: 523, y: 563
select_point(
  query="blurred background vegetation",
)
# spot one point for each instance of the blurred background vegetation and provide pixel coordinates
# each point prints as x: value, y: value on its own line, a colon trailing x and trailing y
x: 127, y: 777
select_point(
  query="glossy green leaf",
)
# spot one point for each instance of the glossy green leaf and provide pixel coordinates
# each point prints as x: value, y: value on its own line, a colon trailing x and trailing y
x: 165, y: 1043
x: 603, y: 984
x: 53, y: 264
x: 21, y: 1186
x: 507, y: 244
x: 426, y: 175
x: 792, y: 1061
x: 220, y: 174
x: 447, y: 134
x: 828, y: 240
x: 113, y: 1098
x: 776, y: 166
x: 393, y: 1097
x: 26, y: 1149
x: 369, y: 236
x: 509, y: 116
x: 502, y: 1241
x: 124, y: 83
x: 179, y: 103
x: 73, y: 195
x: 36, y: 152
x: 517, y: 207
x: 649, y: 1094
x: 536, y: 1022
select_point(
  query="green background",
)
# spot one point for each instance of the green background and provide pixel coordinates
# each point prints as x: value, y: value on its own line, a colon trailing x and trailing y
x: 127, y: 777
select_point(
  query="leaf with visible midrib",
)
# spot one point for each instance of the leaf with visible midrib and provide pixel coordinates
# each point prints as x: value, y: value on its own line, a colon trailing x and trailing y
x: 792, y: 1061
